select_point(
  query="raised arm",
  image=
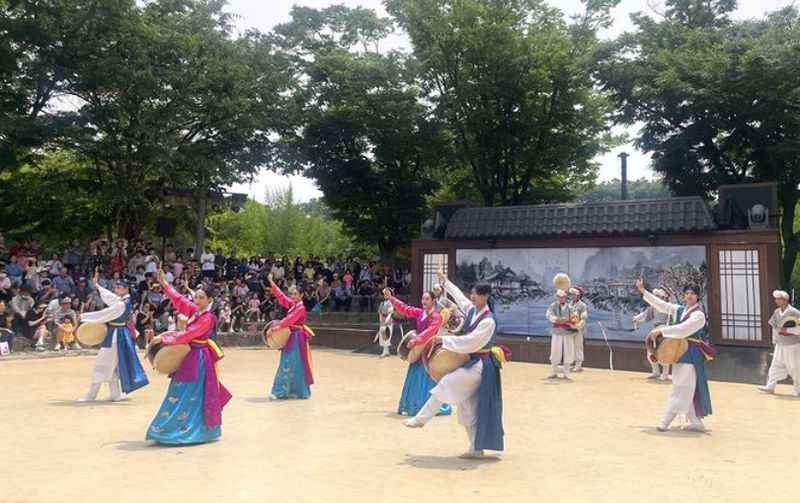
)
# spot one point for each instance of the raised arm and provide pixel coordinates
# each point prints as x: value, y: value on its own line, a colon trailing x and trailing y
x: 281, y: 297
x: 404, y: 309
x: 199, y: 328
x: 116, y: 306
x: 107, y: 296
x: 660, y: 305
x: 296, y: 317
x: 696, y: 321
x: 181, y: 304
x: 463, y: 302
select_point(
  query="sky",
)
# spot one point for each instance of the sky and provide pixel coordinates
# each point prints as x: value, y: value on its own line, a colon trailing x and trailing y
x: 265, y: 14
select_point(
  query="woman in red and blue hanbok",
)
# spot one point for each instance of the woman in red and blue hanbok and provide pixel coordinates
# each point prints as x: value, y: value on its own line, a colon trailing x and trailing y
x: 192, y: 410
x: 293, y: 378
x: 418, y: 384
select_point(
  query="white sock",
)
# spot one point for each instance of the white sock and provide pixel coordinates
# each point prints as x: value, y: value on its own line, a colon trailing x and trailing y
x: 114, y: 388
x: 93, y: 390
x: 667, y: 419
x: 429, y: 410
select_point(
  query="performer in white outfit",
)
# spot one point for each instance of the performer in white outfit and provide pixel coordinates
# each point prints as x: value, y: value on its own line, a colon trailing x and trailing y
x: 786, y: 356
x: 690, y: 394
x: 475, y: 387
x: 658, y: 371
x: 117, y: 362
x: 384, y: 335
x: 562, y: 335
x: 580, y: 313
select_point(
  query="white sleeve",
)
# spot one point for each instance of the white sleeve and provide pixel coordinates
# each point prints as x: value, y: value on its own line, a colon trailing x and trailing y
x: 661, y: 305
x: 473, y: 341
x: 109, y: 298
x: 688, y: 327
x: 110, y: 313
x: 463, y: 302
x: 551, y: 317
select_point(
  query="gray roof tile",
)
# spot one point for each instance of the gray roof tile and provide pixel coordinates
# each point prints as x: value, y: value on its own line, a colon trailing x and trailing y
x: 678, y: 214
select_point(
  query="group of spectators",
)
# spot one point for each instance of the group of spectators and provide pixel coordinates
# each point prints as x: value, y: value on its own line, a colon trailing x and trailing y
x: 42, y: 295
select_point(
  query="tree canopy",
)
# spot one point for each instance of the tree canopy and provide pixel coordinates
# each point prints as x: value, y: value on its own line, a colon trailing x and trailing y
x: 362, y: 131
x: 718, y: 99
x: 512, y: 82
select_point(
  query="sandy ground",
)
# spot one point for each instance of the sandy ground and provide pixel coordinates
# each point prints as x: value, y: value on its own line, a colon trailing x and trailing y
x: 589, y: 440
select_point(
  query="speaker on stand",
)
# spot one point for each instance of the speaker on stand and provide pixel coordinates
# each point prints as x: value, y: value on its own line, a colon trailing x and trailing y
x: 165, y: 228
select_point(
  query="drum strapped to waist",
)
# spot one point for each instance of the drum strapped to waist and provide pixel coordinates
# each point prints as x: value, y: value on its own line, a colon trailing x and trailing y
x: 790, y: 322
x: 668, y: 351
x: 166, y: 359
x: 441, y: 362
x: 411, y: 355
x: 91, y: 334
x: 276, y: 339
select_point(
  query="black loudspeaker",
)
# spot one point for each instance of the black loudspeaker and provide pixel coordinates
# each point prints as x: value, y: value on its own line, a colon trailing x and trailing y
x: 165, y: 227
x: 748, y: 205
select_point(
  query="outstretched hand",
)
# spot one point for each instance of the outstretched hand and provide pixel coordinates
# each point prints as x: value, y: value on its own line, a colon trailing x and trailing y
x: 440, y: 274
x: 387, y: 294
x: 640, y: 285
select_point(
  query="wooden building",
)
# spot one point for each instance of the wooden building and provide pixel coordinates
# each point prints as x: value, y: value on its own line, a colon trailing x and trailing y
x: 521, y: 247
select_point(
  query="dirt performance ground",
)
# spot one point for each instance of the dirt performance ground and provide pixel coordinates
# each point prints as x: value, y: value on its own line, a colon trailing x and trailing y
x: 591, y: 440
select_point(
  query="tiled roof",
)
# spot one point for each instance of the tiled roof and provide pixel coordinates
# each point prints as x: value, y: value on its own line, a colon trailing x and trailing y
x: 678, y: 214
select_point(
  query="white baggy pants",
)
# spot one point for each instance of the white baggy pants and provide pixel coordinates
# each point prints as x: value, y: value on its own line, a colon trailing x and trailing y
x: 785, y: 363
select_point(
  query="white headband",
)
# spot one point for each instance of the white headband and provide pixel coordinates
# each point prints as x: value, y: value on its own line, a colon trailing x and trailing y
x: 780, y: 294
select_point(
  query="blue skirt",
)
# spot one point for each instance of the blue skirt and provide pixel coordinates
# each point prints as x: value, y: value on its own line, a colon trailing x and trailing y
x: 290, y: 379
x: 180, y: 419
x: 416, y: 391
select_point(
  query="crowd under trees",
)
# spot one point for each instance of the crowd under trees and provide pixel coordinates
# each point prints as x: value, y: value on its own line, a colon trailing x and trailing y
x: 104, y: 104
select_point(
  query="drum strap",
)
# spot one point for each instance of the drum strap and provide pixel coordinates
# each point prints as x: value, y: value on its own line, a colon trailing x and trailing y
x: 474, y: 323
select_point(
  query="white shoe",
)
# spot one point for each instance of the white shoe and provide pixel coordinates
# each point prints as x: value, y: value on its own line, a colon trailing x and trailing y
x: 75, y: 345
x: 472, y: 455
x: 413, y: 423
x: 39, y: 348
x: 552, y: 376
x: 272, y: 397
x: 663, y: 378
x: 57, y: 348
x: 115, y: 398
x: 85, y: 399
x: 662, y: 428
x: 654, y: 376
x: 767, y: 390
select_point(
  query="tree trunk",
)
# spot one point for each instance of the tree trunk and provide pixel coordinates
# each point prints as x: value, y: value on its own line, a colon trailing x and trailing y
x: 200, y: 226
x: 791, y: 246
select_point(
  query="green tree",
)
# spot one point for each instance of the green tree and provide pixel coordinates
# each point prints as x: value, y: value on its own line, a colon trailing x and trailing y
x: 718, y: 100
x: 362, y: 133
x: 153, y: 95
x: 610, y: 190
x: 281, y: 227
x: 512, y: 81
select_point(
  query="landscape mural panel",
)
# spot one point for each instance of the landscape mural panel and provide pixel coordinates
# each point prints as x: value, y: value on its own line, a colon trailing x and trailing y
x: 522, y: 281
